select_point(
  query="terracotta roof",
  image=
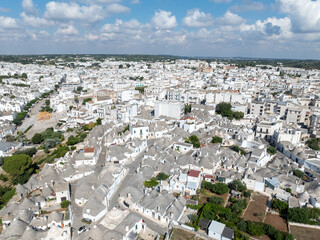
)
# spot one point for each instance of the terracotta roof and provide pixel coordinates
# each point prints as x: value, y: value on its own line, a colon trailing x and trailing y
x: 194, y: 173
x: 88, y: 150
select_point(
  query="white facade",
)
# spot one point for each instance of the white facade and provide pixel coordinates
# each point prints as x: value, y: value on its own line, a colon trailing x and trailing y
x: 168, y: 109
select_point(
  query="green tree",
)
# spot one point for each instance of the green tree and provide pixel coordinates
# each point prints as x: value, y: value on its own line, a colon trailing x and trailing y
x: 65, y: 204
x: 24, y: 75
x: 162, y: 176
x: 194, y: 140
x: 255, y: 229
x: 281, y: 206
x: 242, y: 225
x: 216, y: 139
x: 151, y: 183
x: 271, y: 150
x: 99, y: 121
x: 72, y: 140
x: 298, y: 173
x: 313, y: 143
x: 37, y: 138
x: 238, y: 185
x: 187, y: 108
x: 220, y: 188
x: 216, y: 200
x: 16, y: 165
x: 28, y: 151
x: 237, y: 115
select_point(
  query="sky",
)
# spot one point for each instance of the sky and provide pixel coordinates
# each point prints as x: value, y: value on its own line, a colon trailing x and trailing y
x: 208, y: 28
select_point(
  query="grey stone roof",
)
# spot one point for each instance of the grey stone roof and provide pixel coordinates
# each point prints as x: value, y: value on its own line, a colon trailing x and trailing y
x: 158, y: 202
x: 130, y: 220
x: 15, y: 230
x: 55, y: 216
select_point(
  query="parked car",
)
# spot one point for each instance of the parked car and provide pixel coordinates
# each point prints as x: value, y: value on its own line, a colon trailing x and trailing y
x: 81, y: 230
x: 86, y: 220
x: 309, y: 174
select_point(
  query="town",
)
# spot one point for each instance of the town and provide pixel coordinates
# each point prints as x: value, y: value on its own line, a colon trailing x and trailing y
x: 128, y: 147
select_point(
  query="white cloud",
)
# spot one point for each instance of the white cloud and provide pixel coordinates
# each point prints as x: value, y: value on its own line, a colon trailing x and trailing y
x: 117, y: 8
x: 67, y: 30
x: 248, y: 5
x: 62, y: 11
x: 5, y: 10
x: 195, y: 18
x: 164, y: 20
x: 36, y: 22
x: 272, y: 28
x: 8, y: 23
x: 91, y: 37
x: 29, y: 7
x: 135, y: 1
x: 305, y: 14
x: 230, y: 18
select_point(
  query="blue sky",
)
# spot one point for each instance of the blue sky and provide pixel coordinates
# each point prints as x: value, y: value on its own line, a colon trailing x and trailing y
x: 216, y: 28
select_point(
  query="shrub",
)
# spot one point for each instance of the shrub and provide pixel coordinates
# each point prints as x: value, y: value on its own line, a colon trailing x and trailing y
x: 216, y: 139
x: 271, y: 150
x: 216, y: 200
x: 281, y: 206
x: 162, y: 176
x: 194, y: 140
x: 151, y: 183
x: 65, y: 204
x: 220, y: 188
x: 238, y: 185
x: 255, y: 229
x: 37, y: 138
x: 298, y: 173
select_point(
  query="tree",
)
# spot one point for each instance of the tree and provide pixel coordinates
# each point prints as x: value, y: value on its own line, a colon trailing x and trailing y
x: 223, y: 108
x: 37, y: 138
x: 216, y: 200
x: 151, y: 183
x: 99, y: 121
x: 242, y: 225
x: 271, y: 150
x: 194, y: 140
x: 24, y: 75
x: 238, y: 115
x: 216, y: 139
x: 187, y: 108
x: 313, y: 143
x: 255, y: 229
x: 86, y: 100
x: 65, y: 204
x: 238, y: 149
x: 220, y: 188
x: 16, y: 165
x: 298, y: 173
x: 162, y: 176
x: 238, y: 185
x: 28, y: 151
x: 281, y: 206
x: 72, y: 140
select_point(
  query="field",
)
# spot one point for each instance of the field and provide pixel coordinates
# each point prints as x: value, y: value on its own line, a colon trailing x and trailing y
x: 276, y: 221
x: 256, y: 210
x: 179, y: 234
x: 207, y: 193
x: 304, y: 233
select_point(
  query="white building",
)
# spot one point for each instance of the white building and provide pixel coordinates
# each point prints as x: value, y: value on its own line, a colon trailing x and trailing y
x: 169, y: 109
